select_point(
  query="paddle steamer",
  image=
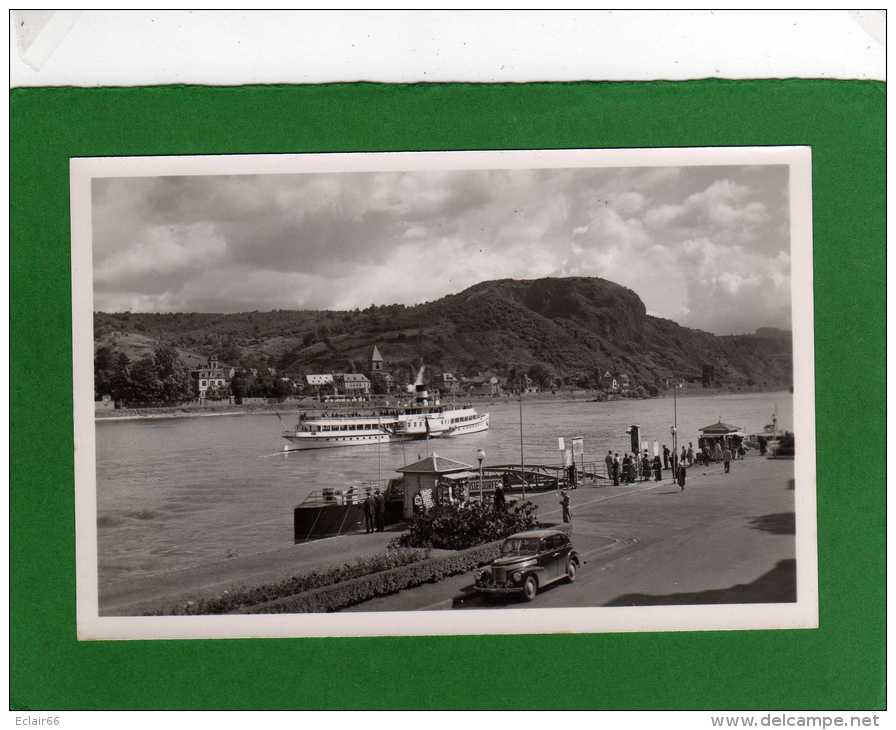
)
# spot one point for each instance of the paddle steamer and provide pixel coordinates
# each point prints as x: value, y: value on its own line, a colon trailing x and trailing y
x: 420, y: 419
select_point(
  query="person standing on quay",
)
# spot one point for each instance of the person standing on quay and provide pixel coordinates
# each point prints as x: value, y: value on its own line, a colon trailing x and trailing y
x: 418, y: 504
x: 499, y: 499
x: 645, y: 466
x: 657, y: 468
x: 616, y: 467
x: 726, y: 457
x: 684, y: 456
x: 368, y: 514
x: 379, y: 510
x: 609, y: 462
x: 665, y: 456
x: 690, y: 453
x: 572, y: 477
x: 564, y: 504
x: 681, y: 476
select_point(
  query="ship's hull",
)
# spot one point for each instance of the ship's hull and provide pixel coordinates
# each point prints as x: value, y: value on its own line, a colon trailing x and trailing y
x: 314, y: 523
x: 305, y: 440
x: 480, y: 423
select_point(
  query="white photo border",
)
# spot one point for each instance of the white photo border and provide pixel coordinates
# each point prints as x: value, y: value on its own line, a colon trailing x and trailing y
x: 803, y: 614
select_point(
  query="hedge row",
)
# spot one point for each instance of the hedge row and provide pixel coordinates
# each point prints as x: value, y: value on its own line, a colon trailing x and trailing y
x: 358, y: 590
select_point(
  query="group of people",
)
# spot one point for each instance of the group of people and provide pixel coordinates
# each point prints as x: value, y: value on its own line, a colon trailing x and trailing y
x: 631, y: 467
x: 687, y: 457
x: 375, y: 512
x: 719, y: 451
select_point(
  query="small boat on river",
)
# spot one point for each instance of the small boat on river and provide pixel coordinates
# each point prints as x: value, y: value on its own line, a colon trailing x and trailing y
x: 768, y: 438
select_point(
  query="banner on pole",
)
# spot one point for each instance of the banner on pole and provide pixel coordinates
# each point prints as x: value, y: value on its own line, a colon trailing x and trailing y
x: 561, y: 444
x: 578, y: 446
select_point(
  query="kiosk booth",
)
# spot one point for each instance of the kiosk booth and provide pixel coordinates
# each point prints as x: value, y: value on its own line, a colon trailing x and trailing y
x: 426, y: 477
x: 721, y: 434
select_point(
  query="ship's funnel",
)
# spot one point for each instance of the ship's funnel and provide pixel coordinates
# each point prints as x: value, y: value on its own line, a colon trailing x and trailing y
x: 419, y: 379
x: 417, y: 386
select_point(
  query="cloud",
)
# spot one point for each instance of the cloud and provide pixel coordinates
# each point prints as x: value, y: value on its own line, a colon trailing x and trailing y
x: 724, y: 204
x: 704, y: 246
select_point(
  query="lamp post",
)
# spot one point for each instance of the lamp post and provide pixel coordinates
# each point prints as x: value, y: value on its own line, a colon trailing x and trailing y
x: 674, y: 430
x: 480, y: 455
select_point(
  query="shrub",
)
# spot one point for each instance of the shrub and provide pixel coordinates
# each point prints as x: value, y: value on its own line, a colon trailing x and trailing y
x: 454, y: 527
x: 241, y: 598
x: 351, y: 592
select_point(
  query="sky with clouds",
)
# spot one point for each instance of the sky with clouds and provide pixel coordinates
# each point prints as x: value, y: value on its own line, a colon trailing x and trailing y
x: 705, y: 246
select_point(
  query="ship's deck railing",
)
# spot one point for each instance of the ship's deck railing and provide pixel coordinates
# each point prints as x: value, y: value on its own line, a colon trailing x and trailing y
x: 350, y: 410
x: 352, y: 494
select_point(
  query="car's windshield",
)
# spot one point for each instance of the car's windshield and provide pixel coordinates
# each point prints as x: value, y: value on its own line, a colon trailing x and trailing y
x: 520, y: 546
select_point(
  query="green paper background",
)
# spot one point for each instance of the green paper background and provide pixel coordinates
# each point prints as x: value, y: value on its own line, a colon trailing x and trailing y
x: 839, y: 666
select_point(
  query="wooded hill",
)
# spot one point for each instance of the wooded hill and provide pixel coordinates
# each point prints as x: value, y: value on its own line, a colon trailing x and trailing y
x: 570, y: 329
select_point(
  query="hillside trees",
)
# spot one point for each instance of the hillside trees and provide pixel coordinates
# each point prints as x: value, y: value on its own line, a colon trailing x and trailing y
x: 569, y: 326
x: 516, y: 379
x: 111, y: 374
x: 104, y: 363
x: 541, y: 375
x: 282, y: 388
x: 238, y: 388
x: 120, y: 387
x: 173, y: 376
x: 145, y: 382
x: 159, y: 377
x: 230, y: 351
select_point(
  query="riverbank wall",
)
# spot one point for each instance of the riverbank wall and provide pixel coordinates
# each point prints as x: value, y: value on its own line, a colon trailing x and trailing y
x: 295, y: 405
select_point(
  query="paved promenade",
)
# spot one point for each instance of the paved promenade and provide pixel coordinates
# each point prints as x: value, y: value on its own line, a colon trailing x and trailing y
x: 725, y: 539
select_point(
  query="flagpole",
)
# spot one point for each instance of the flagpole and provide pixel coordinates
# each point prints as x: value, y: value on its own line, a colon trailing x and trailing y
x: 522, y: 459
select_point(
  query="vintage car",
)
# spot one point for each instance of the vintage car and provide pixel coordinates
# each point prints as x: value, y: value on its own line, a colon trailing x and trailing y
x: 529, y: 561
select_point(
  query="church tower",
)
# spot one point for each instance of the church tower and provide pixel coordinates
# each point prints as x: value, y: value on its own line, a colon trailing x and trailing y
x: 376, y: 361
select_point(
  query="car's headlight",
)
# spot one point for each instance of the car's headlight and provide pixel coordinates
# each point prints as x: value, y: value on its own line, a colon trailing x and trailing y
x: 517, y: 577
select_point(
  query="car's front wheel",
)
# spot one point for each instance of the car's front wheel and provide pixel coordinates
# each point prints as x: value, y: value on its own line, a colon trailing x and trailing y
x: 530, y: 588
x: 571, y: 569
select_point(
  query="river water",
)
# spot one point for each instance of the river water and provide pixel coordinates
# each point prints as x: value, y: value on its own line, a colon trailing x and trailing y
x: 182, y: 491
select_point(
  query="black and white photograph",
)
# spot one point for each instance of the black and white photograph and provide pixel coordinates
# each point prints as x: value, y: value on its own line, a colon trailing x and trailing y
x: 444, y: 393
